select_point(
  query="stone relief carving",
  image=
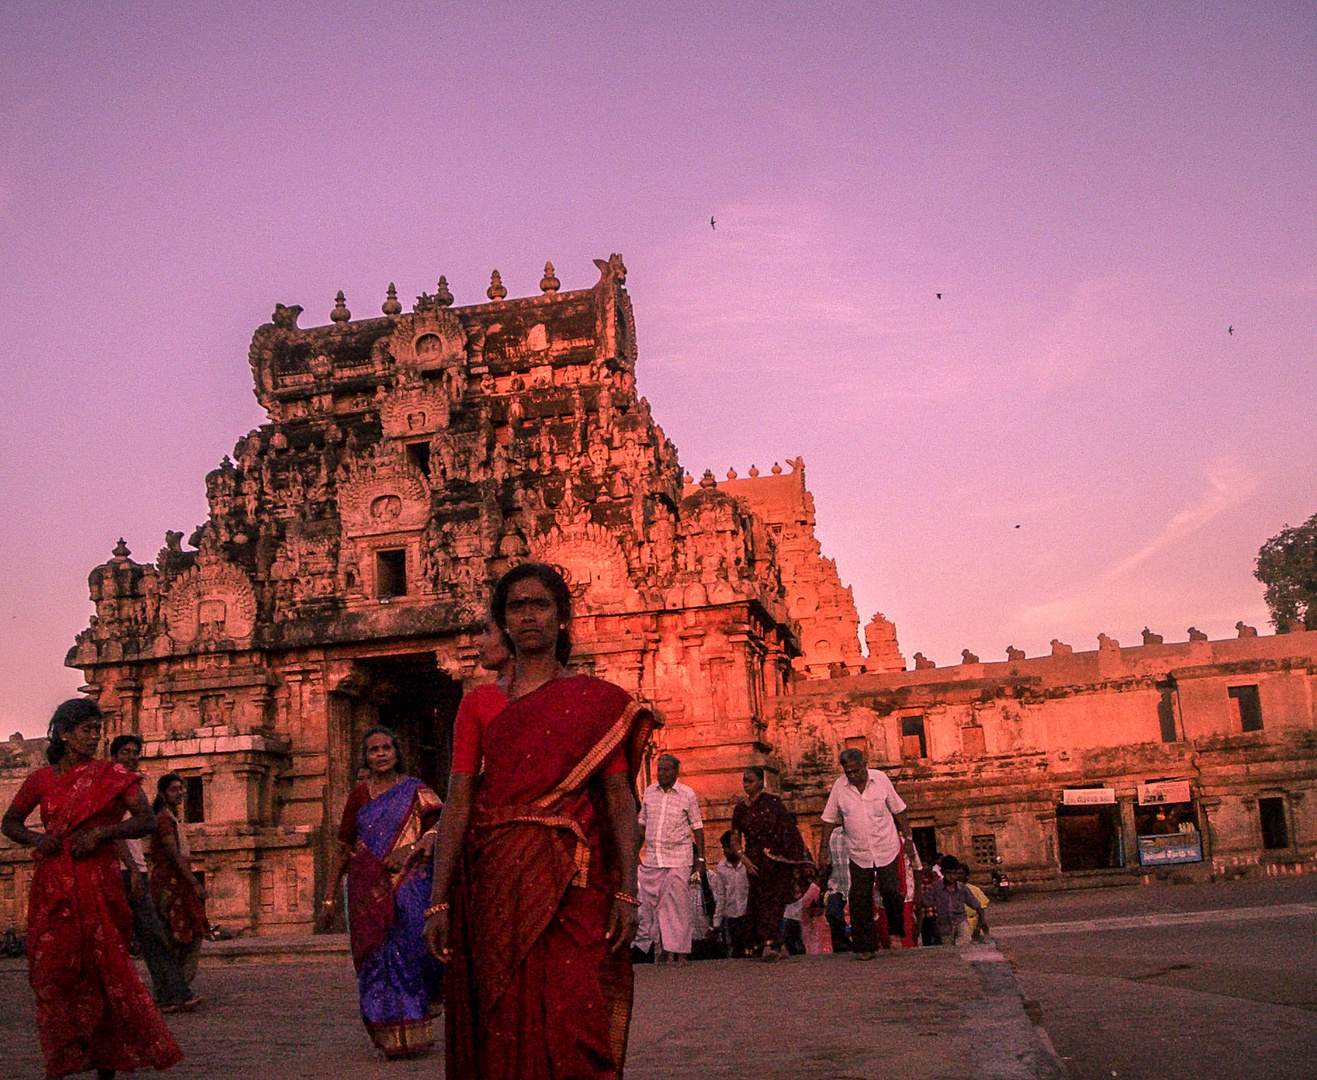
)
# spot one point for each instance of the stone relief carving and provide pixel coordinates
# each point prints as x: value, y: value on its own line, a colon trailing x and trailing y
x: 212, y: 601
x: 383, y: 495
x: 414, y: 412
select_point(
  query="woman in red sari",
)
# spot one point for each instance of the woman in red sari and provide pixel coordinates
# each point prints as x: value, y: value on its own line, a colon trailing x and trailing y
x: 92, y: 1010
x: 534, y: 903
x: 179, y: 897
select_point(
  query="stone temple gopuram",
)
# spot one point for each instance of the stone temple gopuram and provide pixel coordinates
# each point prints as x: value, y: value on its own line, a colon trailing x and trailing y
x: 352, y: 542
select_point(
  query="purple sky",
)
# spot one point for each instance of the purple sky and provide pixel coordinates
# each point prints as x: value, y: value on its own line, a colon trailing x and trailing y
x: 1097, y: 197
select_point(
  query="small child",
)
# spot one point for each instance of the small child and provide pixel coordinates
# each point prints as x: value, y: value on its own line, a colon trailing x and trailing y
x: 972, y: 915
x: 948, y: 899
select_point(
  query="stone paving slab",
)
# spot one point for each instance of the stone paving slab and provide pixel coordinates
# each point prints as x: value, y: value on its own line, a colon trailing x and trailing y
x: 939, y: 1014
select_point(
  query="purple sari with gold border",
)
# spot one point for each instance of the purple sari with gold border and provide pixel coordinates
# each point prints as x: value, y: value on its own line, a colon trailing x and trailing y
x: 397, y: 978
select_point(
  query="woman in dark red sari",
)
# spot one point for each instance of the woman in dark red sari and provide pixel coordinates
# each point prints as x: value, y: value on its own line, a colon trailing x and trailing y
x: 179, y: 896
x: 534, y: 902
x: 773, y: 852
x: 92, y: 1010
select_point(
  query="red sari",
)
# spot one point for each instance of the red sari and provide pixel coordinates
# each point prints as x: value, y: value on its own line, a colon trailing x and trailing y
x: 92, y: 1009
x: 182, y: 911
x: 533, y: 992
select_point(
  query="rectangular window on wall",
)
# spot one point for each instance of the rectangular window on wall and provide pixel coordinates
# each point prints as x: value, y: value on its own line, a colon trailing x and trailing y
x: 985, y: 849
x: 913, y: 742
x: 1275, y: 829
x: 1166, y: 710
x: 194, y: 803
x: 418, y: 453
x: 1250, y: 707
x: 390, y: 574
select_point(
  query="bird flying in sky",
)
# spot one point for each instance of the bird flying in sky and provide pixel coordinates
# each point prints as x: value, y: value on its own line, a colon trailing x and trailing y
x: 712, y: 224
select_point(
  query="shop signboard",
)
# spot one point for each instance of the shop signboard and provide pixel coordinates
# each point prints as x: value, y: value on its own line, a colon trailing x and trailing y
x: 1170, y: 850
x: 1089, y: 796
x: 1167, y: 791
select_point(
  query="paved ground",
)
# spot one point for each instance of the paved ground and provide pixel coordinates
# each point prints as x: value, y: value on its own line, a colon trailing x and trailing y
x: 1174, y: 982
x: 1162, y: 983
x: 933, y: 1013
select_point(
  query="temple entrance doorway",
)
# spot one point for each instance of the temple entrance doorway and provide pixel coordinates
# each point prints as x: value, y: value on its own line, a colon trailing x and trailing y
x: 418, y: 701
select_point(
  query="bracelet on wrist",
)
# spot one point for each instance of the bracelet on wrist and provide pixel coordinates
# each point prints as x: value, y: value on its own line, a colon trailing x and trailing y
x: 626, y: 898
x: 435, y: 909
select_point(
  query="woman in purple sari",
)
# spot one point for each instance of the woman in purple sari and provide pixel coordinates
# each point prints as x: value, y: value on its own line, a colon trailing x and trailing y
x: 385, y: 844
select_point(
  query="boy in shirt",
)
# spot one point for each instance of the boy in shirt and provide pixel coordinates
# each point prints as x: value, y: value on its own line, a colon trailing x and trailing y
x: 948, y: 899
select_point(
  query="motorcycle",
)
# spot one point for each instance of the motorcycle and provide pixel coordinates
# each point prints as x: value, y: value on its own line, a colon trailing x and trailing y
x: 1001, y: 884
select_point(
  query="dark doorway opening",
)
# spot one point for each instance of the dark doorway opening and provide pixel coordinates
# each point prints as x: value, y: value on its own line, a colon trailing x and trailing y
x: 1275, y: 829
x: 925, y: 838
x: 418, y: 701
x: 1088, y: 838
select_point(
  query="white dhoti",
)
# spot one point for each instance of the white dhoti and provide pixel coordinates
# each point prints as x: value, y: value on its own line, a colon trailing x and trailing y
x: 665, y: 908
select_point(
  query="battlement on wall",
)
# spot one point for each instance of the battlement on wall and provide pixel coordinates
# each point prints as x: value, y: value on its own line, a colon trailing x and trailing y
x: 1109, y: 662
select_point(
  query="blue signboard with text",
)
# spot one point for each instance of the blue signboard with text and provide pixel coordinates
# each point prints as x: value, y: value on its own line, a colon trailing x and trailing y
x: 1170, y: 850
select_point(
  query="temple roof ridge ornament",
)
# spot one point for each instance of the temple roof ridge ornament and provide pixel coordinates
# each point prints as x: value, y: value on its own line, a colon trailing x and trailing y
x: 549, y: 284
x: 614, y: 270
x: 340, y: 315
x: 497, y: 291
x: 391, y: 305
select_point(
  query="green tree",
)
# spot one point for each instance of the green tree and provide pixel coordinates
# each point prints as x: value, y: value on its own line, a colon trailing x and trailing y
x: 1287, y: 566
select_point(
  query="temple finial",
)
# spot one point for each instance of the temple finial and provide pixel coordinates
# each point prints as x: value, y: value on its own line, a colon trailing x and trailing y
x: 496, y: 290
x: 121, y: 550
x: 391, y: 305
x: 549, y: 283
x: 442, y: 296
x: 340, y: 314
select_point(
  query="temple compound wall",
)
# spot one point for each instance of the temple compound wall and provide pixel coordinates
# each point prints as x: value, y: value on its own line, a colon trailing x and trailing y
x: 1188, y: 760
x: 352, y: 542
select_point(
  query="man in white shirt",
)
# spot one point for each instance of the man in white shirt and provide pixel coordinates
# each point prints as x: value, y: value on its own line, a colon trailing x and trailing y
x: 731, y: 897
x: 674, y: 834
x: 864, y: 802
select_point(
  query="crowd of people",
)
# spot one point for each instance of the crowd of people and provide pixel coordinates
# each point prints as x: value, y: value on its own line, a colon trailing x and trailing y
x: 517, y: 905
x: 768, y: 898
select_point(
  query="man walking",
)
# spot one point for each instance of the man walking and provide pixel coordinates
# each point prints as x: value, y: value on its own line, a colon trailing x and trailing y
x: 674, y: 834
x: 864, y: 802
x: 171, y: 990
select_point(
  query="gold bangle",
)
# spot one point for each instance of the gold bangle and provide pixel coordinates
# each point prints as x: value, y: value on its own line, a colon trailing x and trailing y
x: 435, y: 909
x: 626, y: 898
